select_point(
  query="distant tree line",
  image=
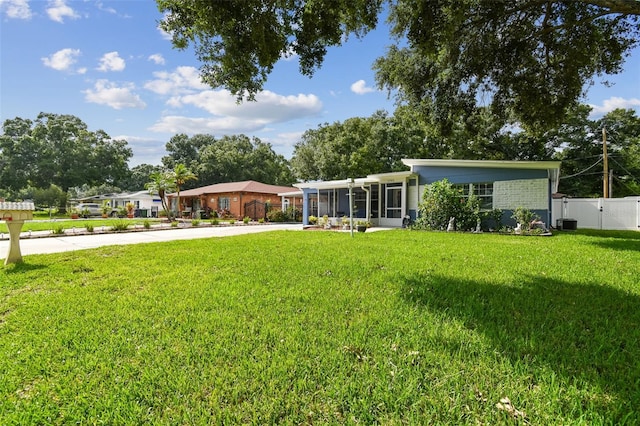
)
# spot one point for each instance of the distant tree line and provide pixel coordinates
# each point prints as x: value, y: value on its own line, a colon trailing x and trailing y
x: 56, y: 157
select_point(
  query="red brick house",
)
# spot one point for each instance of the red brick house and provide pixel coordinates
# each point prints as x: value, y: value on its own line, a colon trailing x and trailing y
x: 237, y: 199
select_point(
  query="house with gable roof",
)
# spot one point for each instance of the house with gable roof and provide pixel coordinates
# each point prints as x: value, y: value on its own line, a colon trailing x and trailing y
x: 236, y: 199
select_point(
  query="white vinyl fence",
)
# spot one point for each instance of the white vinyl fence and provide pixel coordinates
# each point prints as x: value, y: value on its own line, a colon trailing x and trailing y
x: 599, y: 213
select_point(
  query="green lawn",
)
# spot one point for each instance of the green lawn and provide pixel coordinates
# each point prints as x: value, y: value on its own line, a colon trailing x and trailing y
x: 397, y: 327
x: 42, y: 225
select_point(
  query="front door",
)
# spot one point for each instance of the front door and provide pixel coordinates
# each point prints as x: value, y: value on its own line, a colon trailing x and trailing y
x: 393, y: 205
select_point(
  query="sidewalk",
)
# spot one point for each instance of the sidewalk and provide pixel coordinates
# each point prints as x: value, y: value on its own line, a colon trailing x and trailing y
x: 57, y: 244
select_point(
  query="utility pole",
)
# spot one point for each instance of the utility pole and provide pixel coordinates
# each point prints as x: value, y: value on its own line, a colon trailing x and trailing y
x: 605, y: 161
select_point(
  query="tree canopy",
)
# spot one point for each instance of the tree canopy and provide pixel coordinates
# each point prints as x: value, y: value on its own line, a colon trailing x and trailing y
x: 528, y: 59
x: 360, y: 146
x: 59, y: 149
x: 579, y: 141
x: 230, y: 158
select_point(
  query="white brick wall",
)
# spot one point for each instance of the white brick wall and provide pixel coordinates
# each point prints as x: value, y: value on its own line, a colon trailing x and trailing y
x: 528, y: 193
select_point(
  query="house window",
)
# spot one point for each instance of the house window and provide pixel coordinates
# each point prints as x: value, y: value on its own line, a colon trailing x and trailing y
x: 482, y: 191
x: 224, y: 203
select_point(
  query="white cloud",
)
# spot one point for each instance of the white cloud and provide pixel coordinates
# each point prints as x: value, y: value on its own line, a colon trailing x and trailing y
x: 58, y: 10
x: 145, y: 150
x: 108, y: 93
x: 16, y: 9
x: 360, y: 88
x: 62, y: 60
x: 268, y: 107
x: 100, y: 5
x: 184, y: 88
x: 181, y: 124
x: 612, y: 103
x: 157, y: 58
x: 182, y: 80
x: 111, y: 62
x: 286, y: 140
x: 229, y: 117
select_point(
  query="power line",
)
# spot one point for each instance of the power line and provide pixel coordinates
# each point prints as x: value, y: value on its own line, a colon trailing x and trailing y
x: 583, y: 171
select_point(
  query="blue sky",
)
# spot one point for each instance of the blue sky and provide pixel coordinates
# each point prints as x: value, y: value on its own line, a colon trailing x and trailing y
x: 107, y: 63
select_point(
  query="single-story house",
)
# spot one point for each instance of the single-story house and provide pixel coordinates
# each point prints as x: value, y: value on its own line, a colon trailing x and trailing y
x: 146, y: 204
x: 385, y: 199
x: 237, y: 199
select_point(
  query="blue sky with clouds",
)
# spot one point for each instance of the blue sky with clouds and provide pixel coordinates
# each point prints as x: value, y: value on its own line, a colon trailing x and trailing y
x: 107, y: 63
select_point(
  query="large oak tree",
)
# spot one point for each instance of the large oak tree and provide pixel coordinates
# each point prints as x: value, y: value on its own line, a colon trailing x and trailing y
x: 59, y: 149
x: 528, y: 59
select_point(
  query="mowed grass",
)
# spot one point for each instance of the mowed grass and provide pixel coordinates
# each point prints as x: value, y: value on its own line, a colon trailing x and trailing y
x: 42, y: 225
x: 397, y: 327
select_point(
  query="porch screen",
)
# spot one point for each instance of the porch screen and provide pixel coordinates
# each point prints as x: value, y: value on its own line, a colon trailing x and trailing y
x: 326, y: 203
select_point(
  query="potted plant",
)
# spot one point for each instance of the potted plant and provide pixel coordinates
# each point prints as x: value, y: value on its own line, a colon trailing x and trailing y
x: 362, y: 225
x: 105, y: 208
x: 74, y: 213
x: 130, y: 206
x: 346, y: 222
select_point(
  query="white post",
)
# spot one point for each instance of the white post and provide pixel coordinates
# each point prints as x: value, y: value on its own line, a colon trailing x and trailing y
x: 14, y: 255
x: 350, y: 185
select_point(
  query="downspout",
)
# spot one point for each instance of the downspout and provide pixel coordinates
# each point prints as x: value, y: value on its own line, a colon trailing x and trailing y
x: 368, y: 212
x: 350, y: 185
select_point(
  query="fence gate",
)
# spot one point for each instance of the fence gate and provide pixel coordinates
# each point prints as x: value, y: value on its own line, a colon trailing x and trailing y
x: 255, y: 210
x: 600, y: 213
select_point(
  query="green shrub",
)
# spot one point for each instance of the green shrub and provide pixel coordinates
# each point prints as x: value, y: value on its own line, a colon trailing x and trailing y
x: 276, y: 216
x: 261, y: 220
x: 174, y: 224
x: 493, y: 219
x: 524, y: 217
x: 58, y: 229
x: 441, y: 201
x: 195, y: 222
x: 232, y: 221
x: 89, y: 227
x: 313, y: 220
x: 246, y: 219
x: 146, y: 224
x: 293, y: 214
x: 120, y: 225
x: 214, y: 221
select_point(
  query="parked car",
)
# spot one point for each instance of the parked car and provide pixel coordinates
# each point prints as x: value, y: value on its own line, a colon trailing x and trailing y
x: 89, y: 209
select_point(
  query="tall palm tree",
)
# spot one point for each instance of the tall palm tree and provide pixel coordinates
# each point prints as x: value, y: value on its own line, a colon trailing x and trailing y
x: 161, y: 183
x: 180, y: 175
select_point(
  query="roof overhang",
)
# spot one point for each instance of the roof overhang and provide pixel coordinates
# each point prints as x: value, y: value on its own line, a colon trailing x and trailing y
x: 391, y: 177
x: 290, y: 194
x: 552, y: 167
x: 495, y: 164
x: 357, y: 182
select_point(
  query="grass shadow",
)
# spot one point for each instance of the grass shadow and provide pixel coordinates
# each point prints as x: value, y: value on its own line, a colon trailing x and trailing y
x: 626, y: 235
x: 619, y: 244
x: 586, y: 333
x: 21, y: 267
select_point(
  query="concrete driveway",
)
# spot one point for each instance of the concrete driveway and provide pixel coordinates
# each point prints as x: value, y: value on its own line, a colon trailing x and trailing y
x: 57, y: 244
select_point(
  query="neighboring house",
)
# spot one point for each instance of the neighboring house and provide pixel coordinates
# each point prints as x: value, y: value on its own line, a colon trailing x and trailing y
x: 237, y: 199
x: 385, y: 199
x: 146, y: 204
